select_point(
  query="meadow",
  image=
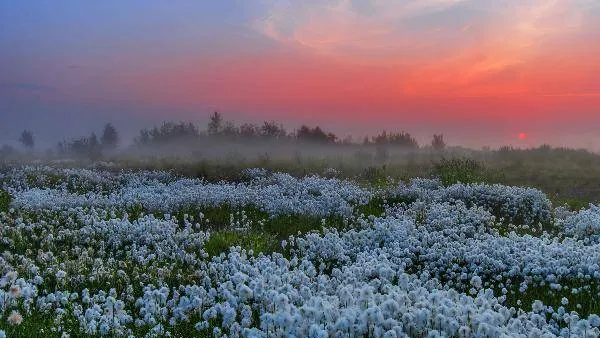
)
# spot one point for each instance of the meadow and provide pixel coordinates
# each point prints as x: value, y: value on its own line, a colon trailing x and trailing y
x: 426, y: 244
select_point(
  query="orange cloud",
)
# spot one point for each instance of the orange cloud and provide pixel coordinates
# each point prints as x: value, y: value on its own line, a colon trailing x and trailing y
x: 495, y: 54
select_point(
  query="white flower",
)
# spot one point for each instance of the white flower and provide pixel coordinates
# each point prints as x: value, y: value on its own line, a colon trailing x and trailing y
x: 15, y: 291
x: 60, y: 275
x: 420, y: 267
x: 476, y: 282
x: 15, y: 318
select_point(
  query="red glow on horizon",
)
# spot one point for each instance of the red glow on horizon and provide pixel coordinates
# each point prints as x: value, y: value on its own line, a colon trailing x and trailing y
x: 479, y: 79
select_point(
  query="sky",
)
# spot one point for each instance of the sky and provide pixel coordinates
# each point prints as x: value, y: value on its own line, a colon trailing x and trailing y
x: 519, y: 72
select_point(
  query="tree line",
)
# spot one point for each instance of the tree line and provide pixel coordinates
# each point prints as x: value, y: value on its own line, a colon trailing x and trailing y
x: 218, y: 128
x: 221, y: 130
x: 86, y: 146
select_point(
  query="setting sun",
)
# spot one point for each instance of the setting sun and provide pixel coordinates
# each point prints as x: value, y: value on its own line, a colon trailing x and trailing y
x: 522, y: 136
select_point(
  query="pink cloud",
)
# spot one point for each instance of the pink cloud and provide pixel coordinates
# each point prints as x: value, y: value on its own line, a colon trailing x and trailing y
x: 505, y: 39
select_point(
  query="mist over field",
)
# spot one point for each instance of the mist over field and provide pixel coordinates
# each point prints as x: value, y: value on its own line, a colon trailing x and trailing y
x: 51, y: 125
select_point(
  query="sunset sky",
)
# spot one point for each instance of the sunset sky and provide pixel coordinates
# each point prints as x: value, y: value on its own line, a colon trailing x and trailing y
x: 520, y: 72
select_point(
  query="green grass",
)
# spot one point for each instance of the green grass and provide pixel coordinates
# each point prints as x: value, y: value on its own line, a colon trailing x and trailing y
x: 5, y: 200
x: 258, y: 242
x: 533, y: 230
x: 575, y: 204
x: 32, y: 326
x: 266, y: 233
x: 587, y: 298
x: 39, y: 324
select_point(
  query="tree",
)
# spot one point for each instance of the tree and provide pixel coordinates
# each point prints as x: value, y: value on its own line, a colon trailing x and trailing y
x: 143, y: 138
x: 168, y: 132
x: 402, y: 139
x: 215, y: 125
x: 27, y: 139
x: 95, y: 148
x: 83, y: 146
x: 316, y: 135
x: 93, y: 141
x: 110, y: 137
x: 249, y: 130
x: 438, y: 142
x: 303, y: 133
x: 331, y: 138
x: 270, y: 129
x: 229, y: 129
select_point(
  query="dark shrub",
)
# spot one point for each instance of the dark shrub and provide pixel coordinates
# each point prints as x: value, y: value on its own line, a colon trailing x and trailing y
x: 5, y: 200
x: 463, y: 170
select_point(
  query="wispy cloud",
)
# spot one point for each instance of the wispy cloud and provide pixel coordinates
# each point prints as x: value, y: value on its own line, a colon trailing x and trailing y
x: 343, y: 26
x: 336, y: 25
x: 448, y: 45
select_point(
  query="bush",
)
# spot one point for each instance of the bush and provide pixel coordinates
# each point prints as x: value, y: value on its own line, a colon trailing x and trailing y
x: 459, y: 170
x: 5, y: 199
x: 513, y: 204
x: 584, y: 224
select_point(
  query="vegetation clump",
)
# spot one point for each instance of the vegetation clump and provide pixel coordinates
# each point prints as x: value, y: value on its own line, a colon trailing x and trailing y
x: 459, y: 170
x: 5, y: 199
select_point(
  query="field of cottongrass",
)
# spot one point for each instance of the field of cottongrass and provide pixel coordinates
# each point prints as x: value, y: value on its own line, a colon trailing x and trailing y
x: 113, y: 252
